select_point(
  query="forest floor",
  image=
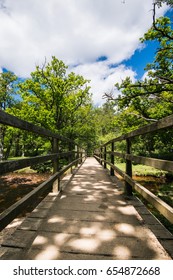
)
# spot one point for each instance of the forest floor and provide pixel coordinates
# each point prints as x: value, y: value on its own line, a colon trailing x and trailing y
x: 13, y: 186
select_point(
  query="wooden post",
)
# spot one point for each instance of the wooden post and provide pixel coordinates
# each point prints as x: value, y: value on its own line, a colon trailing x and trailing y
x: 55, y: 151
x: 101, y: 154
x: 83, y: 154
x: 128, y: 187
x: 112, y: 159
x: 80, y: 154
x: 105, y: 156
x: 77, y: 154
x: 56, y: 184
x: 71, y: 156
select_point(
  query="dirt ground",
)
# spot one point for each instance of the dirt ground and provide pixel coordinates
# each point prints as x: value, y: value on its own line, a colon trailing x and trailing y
x: 14, y: 186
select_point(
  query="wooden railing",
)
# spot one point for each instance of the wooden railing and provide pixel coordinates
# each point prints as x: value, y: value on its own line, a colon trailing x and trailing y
x: 75, y: 156
x: 102, y: 153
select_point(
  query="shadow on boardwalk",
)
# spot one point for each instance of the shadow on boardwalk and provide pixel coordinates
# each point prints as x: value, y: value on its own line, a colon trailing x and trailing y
x: 89, y: 220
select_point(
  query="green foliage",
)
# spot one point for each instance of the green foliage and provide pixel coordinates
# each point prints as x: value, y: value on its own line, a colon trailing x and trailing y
x: 7, y: 90
x: 54, y: 99
x: 43, y: 167
x: 146, y: 101
x: 105, y: 122
x: 152, y: 98
x: 51, y: 97
x: 7, y: 100
x: 160, y: 2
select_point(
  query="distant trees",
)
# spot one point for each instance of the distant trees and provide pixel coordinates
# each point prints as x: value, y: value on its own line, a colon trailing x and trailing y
x: 57, y: 100
x: 52, y: 98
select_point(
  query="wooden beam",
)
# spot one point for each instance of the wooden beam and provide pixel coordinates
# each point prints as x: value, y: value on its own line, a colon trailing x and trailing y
x: 12, y: 165
x: 166, y: 165
x: 160, y: 205
x: 128, y: 187
x: 160, y: 124
x: 112, y: 159
x: 161, y: 164
x: 10, y: 120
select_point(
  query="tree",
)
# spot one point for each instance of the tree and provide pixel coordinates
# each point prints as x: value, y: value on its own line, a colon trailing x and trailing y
x: 53, y: 98
x: 7, y: 89
x: 148, y: 100
x: 7, y: 100
x: 104, y: 118
x: 152, y: 98
x: 160, y: 2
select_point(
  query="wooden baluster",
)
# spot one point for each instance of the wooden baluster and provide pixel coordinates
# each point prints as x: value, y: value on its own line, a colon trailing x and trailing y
x: 56, y: 184
x: 105, y: 156
x: 128, y: 187
x: 112, y: 159
x: 77, y: 154
x: 101, y: 154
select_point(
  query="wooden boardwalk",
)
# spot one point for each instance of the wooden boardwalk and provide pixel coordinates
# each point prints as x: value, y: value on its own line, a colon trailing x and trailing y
x: 89, y: 220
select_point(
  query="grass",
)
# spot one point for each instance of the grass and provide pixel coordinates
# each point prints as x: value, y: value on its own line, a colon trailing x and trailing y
x: 25, y: 170
x: 142, y: 170
x: 16, y: 158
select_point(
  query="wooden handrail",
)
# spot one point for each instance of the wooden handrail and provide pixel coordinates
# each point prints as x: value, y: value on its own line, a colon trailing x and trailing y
x: 161, y: 164
x: 11, y: 165
x: 130, y: 184
x: 160, y: 124
x: 13, y: 121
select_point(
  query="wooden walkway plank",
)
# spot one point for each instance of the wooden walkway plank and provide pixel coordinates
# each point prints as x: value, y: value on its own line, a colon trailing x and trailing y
x: 90, y: 219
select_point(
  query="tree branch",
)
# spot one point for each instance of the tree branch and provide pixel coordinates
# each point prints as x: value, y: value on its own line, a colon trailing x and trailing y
x: 142, y: 117
x: 164, y: 34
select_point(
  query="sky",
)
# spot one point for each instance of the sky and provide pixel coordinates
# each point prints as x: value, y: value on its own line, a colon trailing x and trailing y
x: 98, y: 39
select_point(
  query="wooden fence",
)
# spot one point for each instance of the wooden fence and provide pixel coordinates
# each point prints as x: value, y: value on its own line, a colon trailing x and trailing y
x: 102, y: 153
x: 75, y: 156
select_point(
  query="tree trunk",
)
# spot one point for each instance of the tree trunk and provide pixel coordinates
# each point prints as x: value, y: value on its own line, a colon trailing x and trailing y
x: 7, y: 153
x: 17, y: 147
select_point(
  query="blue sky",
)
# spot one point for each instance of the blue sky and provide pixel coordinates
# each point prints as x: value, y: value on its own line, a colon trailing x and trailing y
x: 98, y: 39
x: 141, y: 58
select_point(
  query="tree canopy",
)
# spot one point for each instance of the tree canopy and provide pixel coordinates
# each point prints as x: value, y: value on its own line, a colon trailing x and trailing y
x: 148, y: 100
x: 54, y: 98
x: 59, y: 100
x: 152, y: 98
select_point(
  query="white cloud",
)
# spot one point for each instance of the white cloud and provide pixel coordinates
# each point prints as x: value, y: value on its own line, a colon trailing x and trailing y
x: 145, y: 76
x: 76, y: 31
x: 103, y: 77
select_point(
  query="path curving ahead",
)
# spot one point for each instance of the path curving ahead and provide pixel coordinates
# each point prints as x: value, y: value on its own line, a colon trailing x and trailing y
x: 89, y: 220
